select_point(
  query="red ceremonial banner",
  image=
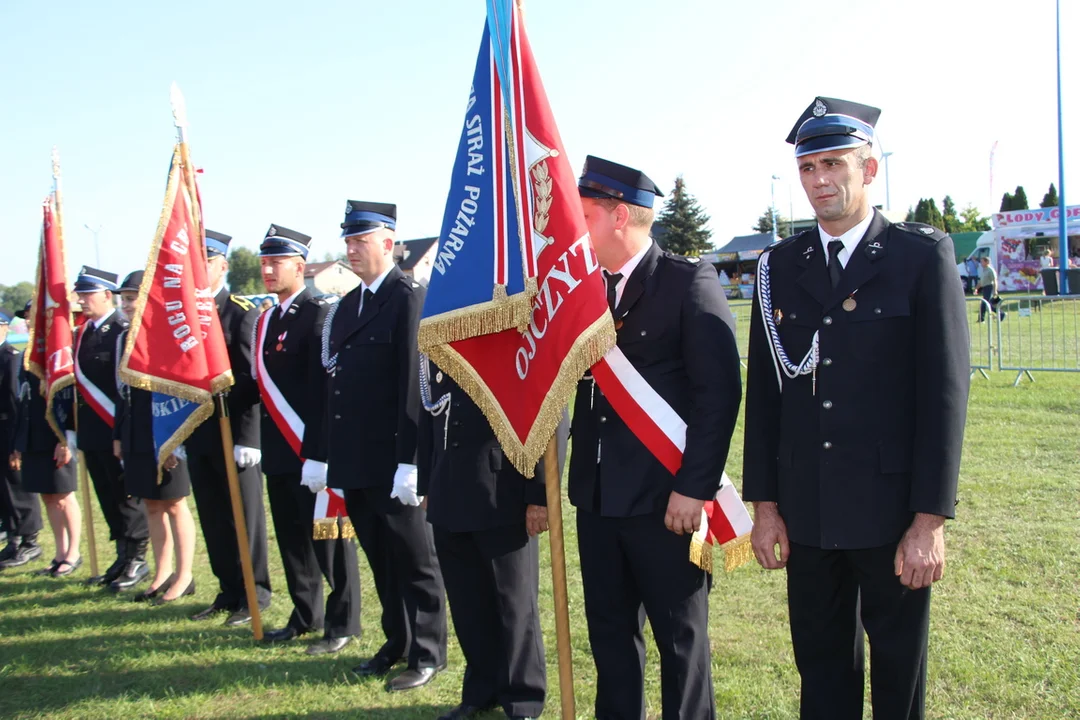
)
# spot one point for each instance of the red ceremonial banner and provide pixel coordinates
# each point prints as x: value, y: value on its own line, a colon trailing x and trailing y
x: 48, y: 353
x: 175, y: 346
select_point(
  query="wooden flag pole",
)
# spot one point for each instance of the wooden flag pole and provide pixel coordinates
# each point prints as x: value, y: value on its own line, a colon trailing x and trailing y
x: 235, y: 498
x: 238, y: 517
x: 80, y: 459
x: 558, y: 579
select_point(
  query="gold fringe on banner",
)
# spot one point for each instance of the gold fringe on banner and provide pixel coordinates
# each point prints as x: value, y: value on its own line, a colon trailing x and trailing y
x: 701, y: 554
x: 333, y: 528
x: 590, y: 346
x: 502, y: 312
x: 737, y: 552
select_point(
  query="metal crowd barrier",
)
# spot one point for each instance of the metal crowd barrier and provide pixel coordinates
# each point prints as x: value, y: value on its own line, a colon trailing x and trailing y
x: 1038, y: 333
x: 981, y: 325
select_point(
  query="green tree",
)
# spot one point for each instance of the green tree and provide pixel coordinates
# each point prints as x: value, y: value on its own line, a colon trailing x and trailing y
x: 14, y: 297
x: 684, y: 222
x: 910, y: 214
x: 948, y: 215
x: 764, y: 223
x: 1020, y: 201
x: 1050, y: 199
x: 1006, y: 202
x: 926, y: 211
x: 244, y: 272
x: 971, y: 220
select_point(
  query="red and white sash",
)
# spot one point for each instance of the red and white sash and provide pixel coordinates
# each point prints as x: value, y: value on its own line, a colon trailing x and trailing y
x: 329, y: 503
x: 94, y: 396
x: 657, y: 425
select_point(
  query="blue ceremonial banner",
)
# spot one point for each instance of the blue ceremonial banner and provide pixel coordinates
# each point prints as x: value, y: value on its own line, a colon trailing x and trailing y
x: 483, y: 279
x: 168, y: 416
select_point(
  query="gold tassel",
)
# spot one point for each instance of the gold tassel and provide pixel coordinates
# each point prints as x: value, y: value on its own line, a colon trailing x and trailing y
x: 325, y: 529
x: 737, y: 552
x: 590, y: 346
x: 701, y: 554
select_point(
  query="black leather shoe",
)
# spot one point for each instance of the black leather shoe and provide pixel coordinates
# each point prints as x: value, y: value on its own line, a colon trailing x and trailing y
x: 135, y: 572
x: 376, y: 666
x: 64, y: 568
x: 23, y: 554
x: 413, y: 678
x: 110, y: 574
x: 148, y: 595
x: 48, y: 571
x: 328, y: 646
x: 162, y: 600
x: 9, y: 551
x: 238, y: 618
x: 208, y: 613
x: 285, y: 634
x: 463, y: 711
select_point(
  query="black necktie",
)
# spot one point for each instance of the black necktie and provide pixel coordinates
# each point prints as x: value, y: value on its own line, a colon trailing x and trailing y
x: 612, y: 281
x: 835, y: 246
x: 365, y: 298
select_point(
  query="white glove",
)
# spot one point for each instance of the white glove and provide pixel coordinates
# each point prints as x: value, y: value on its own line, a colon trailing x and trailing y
x: 245, y: 456
x: 405, y: 485
x: 71, y: 440
x: 313, y: 476
x: 180, y: 453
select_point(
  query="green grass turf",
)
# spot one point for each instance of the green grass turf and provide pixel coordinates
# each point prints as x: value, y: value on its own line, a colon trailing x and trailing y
x: 1005, y: 636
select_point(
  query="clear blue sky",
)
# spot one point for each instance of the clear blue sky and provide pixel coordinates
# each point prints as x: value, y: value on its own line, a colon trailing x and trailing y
x: 296, y: 107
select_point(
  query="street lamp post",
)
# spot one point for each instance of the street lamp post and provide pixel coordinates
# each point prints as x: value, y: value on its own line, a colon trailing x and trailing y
x: 97, y: 251
x: 1063, y: 222
x: 772, y: 207
x: 885, y: 159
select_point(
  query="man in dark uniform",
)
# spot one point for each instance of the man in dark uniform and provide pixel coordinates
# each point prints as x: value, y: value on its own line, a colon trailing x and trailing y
x: 206, y: 458
x: 860, y: 323
x: 292, y: 381
x: 485, y: 516
x: 373, y: 405
x: 635, y: 519
x: 95, y: 376
x: 21, y: 510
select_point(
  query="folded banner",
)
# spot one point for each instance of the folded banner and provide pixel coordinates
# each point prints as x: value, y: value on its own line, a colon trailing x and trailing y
x: 724, y: 519
x: 516, y: 309
x: 331, y: 519
x: 49, y: 353
x: 175, y: 346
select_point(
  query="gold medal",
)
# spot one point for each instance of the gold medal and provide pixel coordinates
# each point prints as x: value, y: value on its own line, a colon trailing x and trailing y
x: 778, y: 315
x: 278, y: 348
x: 618, y: 325
x: 849, y: 304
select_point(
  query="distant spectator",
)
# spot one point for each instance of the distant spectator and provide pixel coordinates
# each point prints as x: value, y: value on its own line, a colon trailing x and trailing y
x: 988, y: 286
x: 972, y: 275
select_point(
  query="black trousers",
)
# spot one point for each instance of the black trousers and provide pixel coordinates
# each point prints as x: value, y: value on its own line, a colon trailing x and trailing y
x: 20, y: 510
x: 210, y: 485
x: 492, y: 579
x: 824, y: 587
x: 124, y: 514
x: 308, y: 561
x: 398, y: 543
x: 633, y: 568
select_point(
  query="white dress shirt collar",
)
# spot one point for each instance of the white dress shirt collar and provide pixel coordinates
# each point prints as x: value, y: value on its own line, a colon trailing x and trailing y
x: 373, y: 287
x: 850, y: 239
x: 102, y: 320
x: 627, y: 270
x: 288, y: 301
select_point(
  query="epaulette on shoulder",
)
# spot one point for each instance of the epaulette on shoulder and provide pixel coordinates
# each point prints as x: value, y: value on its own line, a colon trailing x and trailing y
x: 243, y: 302
x: 688, y: 259
x: 921, y: 230
x: 786, y: 242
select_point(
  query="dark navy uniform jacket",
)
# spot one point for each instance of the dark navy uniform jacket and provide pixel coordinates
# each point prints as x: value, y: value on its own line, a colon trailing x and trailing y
x: 462, y: 470
x: 674, y: 325
x: 97, y: 360
x: 880, y: 440
x: 373, y: 394
x: 237, y: 316
x: 292, y: 355
x: 10, y: 365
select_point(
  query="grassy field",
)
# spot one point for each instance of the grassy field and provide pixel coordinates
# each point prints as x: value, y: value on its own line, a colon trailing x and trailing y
x: 1005, y: 633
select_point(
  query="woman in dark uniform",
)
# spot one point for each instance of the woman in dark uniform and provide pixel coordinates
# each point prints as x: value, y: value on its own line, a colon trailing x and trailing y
x: 172, y: 529
x: 47, y: 468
